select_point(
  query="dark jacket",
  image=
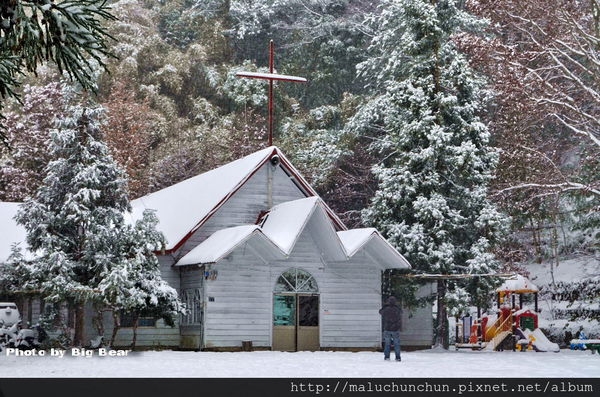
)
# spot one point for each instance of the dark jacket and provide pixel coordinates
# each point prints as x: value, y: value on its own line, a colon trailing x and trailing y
x: 391, y: 315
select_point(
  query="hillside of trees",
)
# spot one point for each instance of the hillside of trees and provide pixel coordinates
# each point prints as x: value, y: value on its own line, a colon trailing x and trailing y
x: 511, y: 88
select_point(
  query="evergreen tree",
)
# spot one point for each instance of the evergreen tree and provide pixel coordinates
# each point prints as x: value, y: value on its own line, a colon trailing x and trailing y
x: 68, y: 33
x: 71, y: 221
x: 133, y: 283
x: 85, y: 251
x: 436, y: 160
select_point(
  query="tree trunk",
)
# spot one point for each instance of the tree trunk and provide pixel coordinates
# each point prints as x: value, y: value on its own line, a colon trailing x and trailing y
x: 98, y: 321
x: 79, y: 336
x: 442, y: 317
x: 116, y: 326
x: 537, y: 240
x: 136, y: 318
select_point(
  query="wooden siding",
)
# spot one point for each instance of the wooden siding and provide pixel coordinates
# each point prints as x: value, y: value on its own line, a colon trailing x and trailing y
x: 417, y: 329
x: 158, y: 336
x: 242, y: 299
x: 246, y: 204
x: 351, y: 300
x: 238, y: 303
x: 168, y: 272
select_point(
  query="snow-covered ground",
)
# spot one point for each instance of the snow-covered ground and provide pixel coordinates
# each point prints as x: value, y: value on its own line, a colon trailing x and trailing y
x: 262, y: 364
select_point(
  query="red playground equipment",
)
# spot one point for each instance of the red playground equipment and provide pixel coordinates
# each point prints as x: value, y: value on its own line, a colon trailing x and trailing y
x: 512, y: 327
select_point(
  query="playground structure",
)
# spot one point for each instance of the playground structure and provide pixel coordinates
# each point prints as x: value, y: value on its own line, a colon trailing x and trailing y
x: 512, y: 328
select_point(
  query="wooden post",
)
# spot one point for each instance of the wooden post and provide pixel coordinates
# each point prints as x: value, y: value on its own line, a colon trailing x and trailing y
x: 271, y: 68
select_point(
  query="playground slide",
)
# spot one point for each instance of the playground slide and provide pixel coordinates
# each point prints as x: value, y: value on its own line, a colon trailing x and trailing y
x: 539, y: 341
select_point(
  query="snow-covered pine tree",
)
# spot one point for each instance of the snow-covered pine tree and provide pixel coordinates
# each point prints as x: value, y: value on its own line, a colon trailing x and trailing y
x: 69, y: 33
x: 76, y: 226
x: 436, y: 160
x: 73, y: 219
x: 133, y: 284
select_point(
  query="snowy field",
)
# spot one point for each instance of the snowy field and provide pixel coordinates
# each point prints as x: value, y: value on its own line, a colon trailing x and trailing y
x: 262, y: 364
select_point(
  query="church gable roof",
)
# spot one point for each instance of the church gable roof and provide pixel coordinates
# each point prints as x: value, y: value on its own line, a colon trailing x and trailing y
x: 184, y: 207
x: 355, y: 239
x: 374, y: 244
x: 284, y: 222
x: 280, y: 230
x: 223, y: 242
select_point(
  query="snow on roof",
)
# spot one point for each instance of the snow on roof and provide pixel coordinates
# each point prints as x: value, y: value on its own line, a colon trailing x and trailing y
x: 378, y: 247
x: 354, y: 239
x: 518, y: 284
x: 181, y: 208
x: 281, y: 229
x: 218, y: 245
x: 10, y: 232
x: 285, y: 221
x: 184, y: 207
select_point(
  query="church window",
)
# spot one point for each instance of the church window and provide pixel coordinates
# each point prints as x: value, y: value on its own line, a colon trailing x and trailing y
x: 192, y: 298
x: 296, y: 280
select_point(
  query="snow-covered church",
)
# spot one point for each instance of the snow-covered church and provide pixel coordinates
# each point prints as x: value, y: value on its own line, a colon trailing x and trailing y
x: 262, y: 262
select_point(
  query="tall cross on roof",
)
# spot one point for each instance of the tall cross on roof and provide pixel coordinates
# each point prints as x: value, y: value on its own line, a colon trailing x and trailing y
x: 271, y: 76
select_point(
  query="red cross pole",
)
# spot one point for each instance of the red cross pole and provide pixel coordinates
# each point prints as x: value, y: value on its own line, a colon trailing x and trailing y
x: 271, y: 77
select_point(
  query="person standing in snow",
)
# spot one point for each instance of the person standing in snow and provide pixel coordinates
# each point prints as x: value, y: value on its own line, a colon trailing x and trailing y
x: 391, y: 315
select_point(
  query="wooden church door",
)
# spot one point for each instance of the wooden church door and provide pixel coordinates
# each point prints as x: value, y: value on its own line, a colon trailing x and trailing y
x: 296, y: 312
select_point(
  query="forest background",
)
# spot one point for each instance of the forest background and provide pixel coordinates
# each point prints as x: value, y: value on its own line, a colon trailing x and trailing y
x: 173, y: 107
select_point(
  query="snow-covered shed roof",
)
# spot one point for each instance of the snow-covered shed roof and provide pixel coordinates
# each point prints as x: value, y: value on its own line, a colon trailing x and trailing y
x: 181, y: 210
x: 10, y: 232
x: 280, y: 230
x: 519, y: 285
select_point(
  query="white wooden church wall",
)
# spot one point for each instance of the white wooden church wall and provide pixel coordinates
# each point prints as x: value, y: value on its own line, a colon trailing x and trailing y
x: 239, y: 305
x: 157, y: 336
x: 350, y: 305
